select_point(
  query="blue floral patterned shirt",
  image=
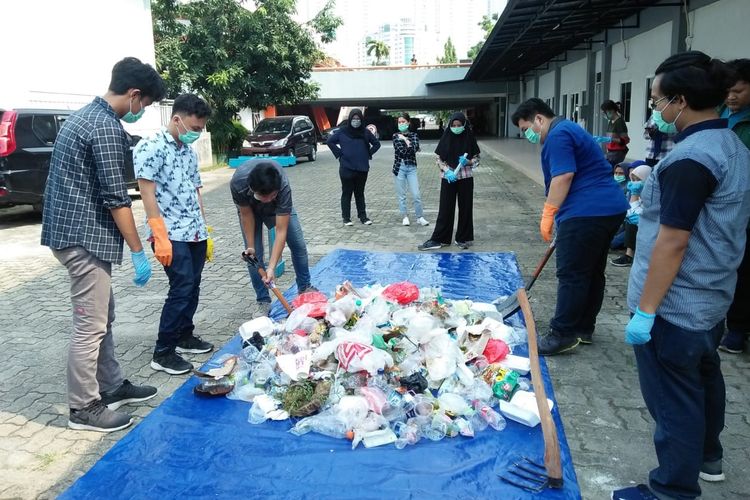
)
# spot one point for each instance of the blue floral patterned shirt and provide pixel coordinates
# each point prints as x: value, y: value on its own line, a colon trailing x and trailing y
x: 174, y: 169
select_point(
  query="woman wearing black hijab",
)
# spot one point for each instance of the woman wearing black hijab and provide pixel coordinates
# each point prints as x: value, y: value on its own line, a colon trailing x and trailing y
x: 353, y: 145
x: 457, y: 145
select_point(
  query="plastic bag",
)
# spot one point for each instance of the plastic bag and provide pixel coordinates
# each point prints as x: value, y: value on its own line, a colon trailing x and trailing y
x: 496, y: 350
x: 419, y: 326
x: 299, y: 321
x: 317, y: 300
x: 339, y: 312
x: 354, y: 357
x: 403, y: 292
x: 326, y: 423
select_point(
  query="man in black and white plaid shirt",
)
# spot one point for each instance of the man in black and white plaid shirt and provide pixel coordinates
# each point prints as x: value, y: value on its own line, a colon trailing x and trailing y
x: 87, y: 217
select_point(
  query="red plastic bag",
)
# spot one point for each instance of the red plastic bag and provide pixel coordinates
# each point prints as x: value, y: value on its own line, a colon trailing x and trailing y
x: 495, y: 351
x: 403, y: 292
x: 317, y: 299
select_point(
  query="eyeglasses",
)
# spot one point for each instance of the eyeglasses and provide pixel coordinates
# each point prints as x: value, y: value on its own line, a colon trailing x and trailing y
x: 653, y: 104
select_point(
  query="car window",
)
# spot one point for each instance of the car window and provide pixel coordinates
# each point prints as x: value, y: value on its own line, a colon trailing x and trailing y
x: 273, y: 126
x: 308, y: 124
x: 299, y: 127
x: 44, y: 128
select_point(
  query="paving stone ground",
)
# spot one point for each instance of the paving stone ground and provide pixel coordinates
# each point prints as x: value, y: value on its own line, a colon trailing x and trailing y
x: 606, y: 422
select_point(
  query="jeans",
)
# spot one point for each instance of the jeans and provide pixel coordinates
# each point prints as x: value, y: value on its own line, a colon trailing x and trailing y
x: 407, y: 179
x: 295, y: 240
x: 92, y: 366
x: 462, y: 191
x: 353, y: 181
x: 681, y: 382
x: 582, y: 246
x: 184, y: 276
x: 738, y: 316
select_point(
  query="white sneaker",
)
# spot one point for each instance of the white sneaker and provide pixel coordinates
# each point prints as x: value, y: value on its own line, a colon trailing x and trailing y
x: 422, y: 222
x: 405, y: 222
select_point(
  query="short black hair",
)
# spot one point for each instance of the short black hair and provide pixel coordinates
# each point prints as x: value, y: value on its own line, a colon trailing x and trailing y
x: 530, y: 108
x: 264, y: 178
x: 405, y: 116
x: 191, y: 105
x: 741, y: 69
x: 131, y: 73
x: 610, y: 105
x: 703, y: 82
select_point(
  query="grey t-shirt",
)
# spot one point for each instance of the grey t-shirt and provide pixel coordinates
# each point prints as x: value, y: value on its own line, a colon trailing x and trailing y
x: 243, y: 196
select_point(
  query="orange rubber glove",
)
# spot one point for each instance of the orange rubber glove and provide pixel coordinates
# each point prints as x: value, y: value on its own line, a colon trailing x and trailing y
x: 162, y: 245
x: 547, y: 223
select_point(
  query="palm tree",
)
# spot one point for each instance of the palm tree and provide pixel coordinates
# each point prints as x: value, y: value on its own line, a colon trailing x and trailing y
x: 382, y: 51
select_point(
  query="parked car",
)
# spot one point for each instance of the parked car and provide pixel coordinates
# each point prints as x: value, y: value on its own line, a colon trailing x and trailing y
x: 26, y: 140
x: 282, y: 136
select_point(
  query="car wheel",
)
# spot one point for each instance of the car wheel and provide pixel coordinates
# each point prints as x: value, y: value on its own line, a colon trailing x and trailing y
x: 313, y: 154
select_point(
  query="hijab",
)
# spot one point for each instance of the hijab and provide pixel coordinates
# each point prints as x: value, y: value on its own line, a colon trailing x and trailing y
x: 452, y: 146
x: 358, y: 133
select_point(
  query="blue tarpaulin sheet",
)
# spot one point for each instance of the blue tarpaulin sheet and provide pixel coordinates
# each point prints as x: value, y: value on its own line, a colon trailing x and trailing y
x: 194, y: 447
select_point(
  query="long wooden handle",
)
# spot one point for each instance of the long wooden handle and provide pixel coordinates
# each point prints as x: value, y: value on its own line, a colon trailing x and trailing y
x: 549, y: 431
x: 542, y: 263
x: 275, y: 291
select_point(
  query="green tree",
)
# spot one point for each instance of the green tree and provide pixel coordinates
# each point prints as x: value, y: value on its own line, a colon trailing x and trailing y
x: 487, y: 23
x: 381, y: 50
x: 235, y: 58
x: 449, y: 53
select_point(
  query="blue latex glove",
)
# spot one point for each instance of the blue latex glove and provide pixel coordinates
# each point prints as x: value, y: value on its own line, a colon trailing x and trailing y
x: 602, y: 139
x: 633, y: 219
x: 142, y: 268
x: 450, y: 176
x: 639, y: 328
x: 462, y: 160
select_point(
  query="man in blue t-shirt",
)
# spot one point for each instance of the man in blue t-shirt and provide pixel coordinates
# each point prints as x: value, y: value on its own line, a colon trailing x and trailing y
x: 587, y: 205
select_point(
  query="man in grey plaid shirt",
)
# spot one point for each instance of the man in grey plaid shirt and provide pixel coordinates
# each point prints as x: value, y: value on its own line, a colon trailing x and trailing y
x: 86, y: 217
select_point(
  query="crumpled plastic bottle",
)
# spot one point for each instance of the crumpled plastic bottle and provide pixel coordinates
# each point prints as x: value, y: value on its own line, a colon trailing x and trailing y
x: 493, y: 418
x: 322, y: 423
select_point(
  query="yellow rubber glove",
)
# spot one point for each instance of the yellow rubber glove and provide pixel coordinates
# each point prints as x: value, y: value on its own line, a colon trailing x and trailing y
x: 209, y: 245
x: 547, y: 223
x: 162, y: 245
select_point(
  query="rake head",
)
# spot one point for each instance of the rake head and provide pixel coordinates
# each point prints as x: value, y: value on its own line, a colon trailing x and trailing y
x: 530, y: 476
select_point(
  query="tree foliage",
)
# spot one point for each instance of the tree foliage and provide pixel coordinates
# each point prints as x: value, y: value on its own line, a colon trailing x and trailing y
x: 487, y: 23
x: 238, y: 58
x: 381, y: 50
x: 449, y: 53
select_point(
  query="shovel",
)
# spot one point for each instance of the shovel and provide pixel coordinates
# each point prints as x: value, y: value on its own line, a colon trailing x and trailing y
x: 253, y: 261
x: 509, y: 306
x: 526, y: 473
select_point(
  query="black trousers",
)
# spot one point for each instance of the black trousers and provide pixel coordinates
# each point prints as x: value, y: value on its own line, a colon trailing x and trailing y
x: 582, y: 247
x: 463, y: 191
x: 353, y: 181
x: 738, y: 317
x: 631, y: 231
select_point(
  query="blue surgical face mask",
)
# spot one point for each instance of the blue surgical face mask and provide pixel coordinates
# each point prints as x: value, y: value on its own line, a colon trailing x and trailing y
x: 130, y: 117
x: 619, y: 179
x: 355, y: 123
x: 635, y: 187
x: 403, y: 127
x: 457, y: 130
x: 664, y: 126
x: 189, y: 136
x: 532, y: 136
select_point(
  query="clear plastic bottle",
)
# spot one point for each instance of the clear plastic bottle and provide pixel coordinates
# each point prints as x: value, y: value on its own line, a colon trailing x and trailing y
x: 326, y: 424
x: 493, y: 418
x: 477, y: 422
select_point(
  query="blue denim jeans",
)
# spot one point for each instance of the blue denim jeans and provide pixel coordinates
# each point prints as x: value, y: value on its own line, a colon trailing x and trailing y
x: 295, y: 240
x: 184, y: 276
x: 682, y: 385
x: 407, y: 180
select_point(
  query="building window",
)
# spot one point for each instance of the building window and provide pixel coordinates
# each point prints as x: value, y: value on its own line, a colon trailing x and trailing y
x: 565, y: 106
x: 626, y: 91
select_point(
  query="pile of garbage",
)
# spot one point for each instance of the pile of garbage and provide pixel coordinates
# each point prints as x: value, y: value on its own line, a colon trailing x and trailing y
x: 380, y: 365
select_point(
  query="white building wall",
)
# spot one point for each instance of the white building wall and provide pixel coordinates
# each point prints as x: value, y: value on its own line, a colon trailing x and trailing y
x: 635, y: 60
x: 65, y: 51
x: 546, y: 88
x: 720, y: 29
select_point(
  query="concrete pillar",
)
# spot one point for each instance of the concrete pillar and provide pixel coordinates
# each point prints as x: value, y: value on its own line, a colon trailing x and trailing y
x: 558, y: 104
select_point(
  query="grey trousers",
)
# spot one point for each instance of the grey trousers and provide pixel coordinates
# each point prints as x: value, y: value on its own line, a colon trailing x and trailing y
x: 92, y: 367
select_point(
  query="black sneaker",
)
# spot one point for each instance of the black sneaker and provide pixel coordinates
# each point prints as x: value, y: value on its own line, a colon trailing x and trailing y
x: 264, y: 309
x: 366, y: 222
x: 586, y: 338
x: 193, y: 345
x: 711, y: 472
x: 99, y: 418
x: 348, y: 222
x: 640, y: 492
x: 733, y: 342
x: 462, y: 245
x: 429, y: 245
x: 171, y: 363
x: 622, y: 261
x: 127, y: 393
x: 554, y: 343
x: 309, y: 288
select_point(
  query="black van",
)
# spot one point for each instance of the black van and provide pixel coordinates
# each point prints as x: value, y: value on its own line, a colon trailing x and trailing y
x: 283, y: 136
x: 26, y: 140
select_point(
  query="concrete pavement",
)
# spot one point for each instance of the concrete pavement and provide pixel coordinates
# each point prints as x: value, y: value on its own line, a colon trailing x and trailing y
x: 606, y: 422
